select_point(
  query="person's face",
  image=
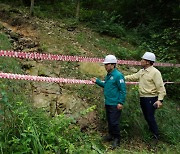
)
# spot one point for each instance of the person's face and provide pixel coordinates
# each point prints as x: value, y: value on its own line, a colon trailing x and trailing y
x: 109, y: 67
x: 144, y: 63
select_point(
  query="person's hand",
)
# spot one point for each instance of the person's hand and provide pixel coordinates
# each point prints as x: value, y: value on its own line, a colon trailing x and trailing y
x: 119, y: 106
x: 93, y: 80
x: 158, y: 104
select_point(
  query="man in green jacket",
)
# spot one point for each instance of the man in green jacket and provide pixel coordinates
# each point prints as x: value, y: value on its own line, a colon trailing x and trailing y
x: 114, y: 93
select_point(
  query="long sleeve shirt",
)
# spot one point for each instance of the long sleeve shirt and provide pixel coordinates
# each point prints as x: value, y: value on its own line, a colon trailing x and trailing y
x: 150, y: 82
x: 114, y: 88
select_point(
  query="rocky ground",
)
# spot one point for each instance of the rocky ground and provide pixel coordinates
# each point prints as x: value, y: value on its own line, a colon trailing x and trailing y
x: 36, y: 35
x: 32, y: 34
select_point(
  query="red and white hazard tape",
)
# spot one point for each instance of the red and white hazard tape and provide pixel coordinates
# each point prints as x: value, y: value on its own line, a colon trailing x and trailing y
x: 42, y: 56
x: 40, y: 78
x: 51, y: 79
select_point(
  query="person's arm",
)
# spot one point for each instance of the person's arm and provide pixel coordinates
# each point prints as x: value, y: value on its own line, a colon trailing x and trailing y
x: 122, y: 89
x: 158, y: 81
x: 133, y: 77
x: 98, y: 82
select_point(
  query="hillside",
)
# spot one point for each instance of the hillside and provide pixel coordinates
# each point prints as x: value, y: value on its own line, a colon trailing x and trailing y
x: 80, y: 107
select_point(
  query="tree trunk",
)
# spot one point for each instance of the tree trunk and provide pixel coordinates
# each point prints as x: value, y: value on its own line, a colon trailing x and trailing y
x: 77, y: 9
x: 32, y: 8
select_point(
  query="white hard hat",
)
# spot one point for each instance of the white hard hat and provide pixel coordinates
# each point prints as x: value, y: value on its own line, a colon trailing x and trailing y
x: 149, y: 56
x: 110, y: 59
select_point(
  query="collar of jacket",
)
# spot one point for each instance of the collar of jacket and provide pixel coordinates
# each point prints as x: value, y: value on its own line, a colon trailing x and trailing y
x: 112, y: 72
x: 149, y: 68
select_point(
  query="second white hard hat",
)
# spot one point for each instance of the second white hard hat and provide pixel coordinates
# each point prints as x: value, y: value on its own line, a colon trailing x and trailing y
x: 149, y: 56
x: 110, y: 59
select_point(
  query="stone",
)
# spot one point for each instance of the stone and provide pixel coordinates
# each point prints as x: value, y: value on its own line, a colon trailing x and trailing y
x: 94, y: 69
x: 49, y: 88
x: 14, y: 35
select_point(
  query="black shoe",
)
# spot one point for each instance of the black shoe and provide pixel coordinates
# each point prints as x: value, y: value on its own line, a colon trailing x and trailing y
x: 154, y: 142
x: 116, y: 143
x: 107, y: 138
x: 156, y: 137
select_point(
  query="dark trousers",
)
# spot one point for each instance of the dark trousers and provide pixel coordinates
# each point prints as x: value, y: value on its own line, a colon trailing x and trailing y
x: 149, y: 111
x: 113, y: 116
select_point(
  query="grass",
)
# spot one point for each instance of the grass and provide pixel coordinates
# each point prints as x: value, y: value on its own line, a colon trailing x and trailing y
x: 38, y: 132
x: 8, y: 64
x: 101, y: 45
x: 26, y: 129
x: 4, y: 42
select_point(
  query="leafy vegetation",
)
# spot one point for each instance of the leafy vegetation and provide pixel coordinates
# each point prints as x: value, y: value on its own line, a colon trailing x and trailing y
x: 126, y: 29
x: 25, y: 129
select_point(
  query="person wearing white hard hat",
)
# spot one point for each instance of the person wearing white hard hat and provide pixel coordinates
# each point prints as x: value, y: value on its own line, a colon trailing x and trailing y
x: 151, y: 90
x: 114, y: 93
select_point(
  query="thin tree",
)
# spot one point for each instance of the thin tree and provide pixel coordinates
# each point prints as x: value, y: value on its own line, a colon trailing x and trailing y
x: 32, y: 8
x: 77, y: 9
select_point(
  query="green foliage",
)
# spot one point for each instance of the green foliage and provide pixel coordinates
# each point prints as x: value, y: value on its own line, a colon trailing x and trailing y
x: 9, y: 65
x: 25, y: 129
x: 121, y: 48
x: 19, y: 133
x: 92, y: 108
x: 165, y: 44
x: 58, y: 10
x: 132, y: 116
x: 167, y: 117
x: 170, y: 130
x: 110, y: 28
x: 4, y: 42
x: 171, y: 74
x: 114, y: 46
x: 71, y: 50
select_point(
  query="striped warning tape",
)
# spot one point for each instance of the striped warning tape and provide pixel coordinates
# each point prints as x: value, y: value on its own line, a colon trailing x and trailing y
x: 43, y: 56
x: 45, y: 79
x: 51, y: 79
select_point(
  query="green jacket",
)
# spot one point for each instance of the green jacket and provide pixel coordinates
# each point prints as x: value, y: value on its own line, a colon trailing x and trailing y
x: 114, y: 88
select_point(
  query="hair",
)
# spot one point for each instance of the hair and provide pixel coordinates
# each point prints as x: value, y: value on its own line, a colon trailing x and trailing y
x: 151, y: 62
x: 114, y: 64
